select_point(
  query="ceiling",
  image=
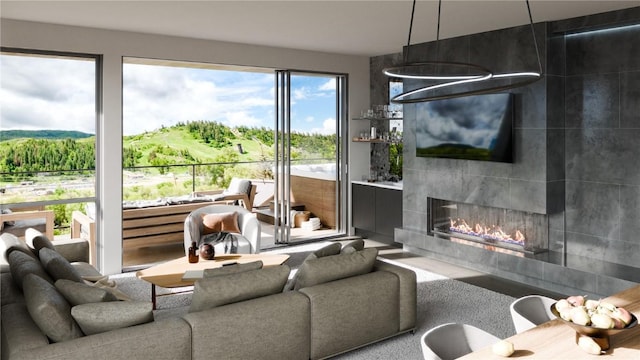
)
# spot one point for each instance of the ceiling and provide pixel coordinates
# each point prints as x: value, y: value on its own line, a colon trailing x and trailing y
x: 360, y: 27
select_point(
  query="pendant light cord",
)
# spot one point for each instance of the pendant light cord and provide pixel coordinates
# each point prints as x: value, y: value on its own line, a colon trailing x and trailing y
x: 413, y: 10
x: 535, y: 41
x: 438, y: 31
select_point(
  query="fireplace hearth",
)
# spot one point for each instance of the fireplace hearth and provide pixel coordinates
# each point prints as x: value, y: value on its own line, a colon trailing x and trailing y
x: 492, y: 228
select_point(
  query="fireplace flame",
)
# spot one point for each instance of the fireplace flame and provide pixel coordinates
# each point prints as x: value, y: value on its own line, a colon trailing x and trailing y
x: 493, y: 232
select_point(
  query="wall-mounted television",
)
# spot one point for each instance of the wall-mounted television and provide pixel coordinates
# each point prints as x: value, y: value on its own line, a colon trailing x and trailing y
x: 478, y: 127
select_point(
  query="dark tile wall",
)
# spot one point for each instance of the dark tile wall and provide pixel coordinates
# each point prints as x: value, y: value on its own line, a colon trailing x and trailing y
x: 602, y: 116
x: 521, y: 185
x: 576, y: 156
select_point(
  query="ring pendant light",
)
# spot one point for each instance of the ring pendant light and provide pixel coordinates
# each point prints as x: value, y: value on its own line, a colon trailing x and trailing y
x: 458, y: 73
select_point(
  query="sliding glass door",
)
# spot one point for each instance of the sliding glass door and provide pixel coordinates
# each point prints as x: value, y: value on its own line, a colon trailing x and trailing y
x: 310, y: 121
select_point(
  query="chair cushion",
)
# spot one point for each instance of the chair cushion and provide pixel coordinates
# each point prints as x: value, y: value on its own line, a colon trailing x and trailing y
x: 95, y: 318
x: 8, y: 223
x: 238, y: 186
x: 49, y: 309
x: 57, y: 266
x: 232, y: 269
x: 21, y: 264
x: 218, y: 222
x: 221, y: 290
x: 77, y: 293
x: 329, y: 268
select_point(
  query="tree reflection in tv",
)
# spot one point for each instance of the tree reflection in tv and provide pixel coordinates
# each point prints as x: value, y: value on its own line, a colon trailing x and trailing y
x: 476, y: 127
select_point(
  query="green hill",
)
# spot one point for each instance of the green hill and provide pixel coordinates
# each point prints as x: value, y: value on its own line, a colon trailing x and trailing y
x: 42, y: 134
x: 191, y: 143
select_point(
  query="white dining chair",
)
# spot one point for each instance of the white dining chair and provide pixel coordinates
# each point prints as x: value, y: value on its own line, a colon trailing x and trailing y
x: 530, y: 311
x: 451, y: 341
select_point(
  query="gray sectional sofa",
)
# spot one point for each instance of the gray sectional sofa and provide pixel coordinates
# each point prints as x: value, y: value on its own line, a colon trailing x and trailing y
x: 333, y: 305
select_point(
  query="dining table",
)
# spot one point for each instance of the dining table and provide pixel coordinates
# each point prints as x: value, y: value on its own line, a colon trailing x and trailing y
x: 555, y: 339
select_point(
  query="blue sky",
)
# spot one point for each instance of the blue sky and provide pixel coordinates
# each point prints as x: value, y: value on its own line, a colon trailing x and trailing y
x: 43, y: 93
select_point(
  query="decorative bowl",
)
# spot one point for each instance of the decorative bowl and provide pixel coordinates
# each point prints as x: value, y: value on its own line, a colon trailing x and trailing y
x: 594, y: 332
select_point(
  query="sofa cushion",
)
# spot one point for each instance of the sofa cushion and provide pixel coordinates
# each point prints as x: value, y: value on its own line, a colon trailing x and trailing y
x: 218, y: 222
x: 19, y: 332
x: 352, y: 245
x: 95, y: 318
x: 329, y: 268
x: 77, y: 293
x: 21, y: 264
x: 86, y: 270
x: 9, y: 291
x: 57, y: 266
x: 221, y: 290
x: 49, y: 309
x: 232, y: 269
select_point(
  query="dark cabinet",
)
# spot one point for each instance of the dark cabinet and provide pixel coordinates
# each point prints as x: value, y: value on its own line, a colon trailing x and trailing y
x: 364, y: 203
x: 376, y: 211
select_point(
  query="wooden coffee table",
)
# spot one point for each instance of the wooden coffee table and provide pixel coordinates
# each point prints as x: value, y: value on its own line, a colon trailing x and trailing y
x: 170, y: 274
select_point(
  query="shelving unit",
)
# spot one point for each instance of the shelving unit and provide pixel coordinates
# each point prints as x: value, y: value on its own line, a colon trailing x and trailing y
x: 375, y: 141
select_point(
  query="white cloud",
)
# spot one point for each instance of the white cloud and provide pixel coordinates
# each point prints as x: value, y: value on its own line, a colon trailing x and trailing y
x: 328, y: 127
x: 300, y: 93
x: 330, y: 85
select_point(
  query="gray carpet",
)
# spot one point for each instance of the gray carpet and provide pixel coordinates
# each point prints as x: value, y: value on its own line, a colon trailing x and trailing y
x: 440, y: 300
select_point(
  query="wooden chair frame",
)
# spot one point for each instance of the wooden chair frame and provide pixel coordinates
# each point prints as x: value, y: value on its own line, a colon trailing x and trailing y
x: 48, y: 215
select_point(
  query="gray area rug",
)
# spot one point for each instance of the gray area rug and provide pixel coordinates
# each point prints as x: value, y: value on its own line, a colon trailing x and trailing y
x: 440, y: 300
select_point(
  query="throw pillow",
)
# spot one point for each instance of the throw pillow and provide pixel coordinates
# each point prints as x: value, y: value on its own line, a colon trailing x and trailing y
x: 336, y: 267
x: 10, y: 242
x: 49, y: 309
x: 41, y: 241
x: 57, y: 266
x: 21, y: 265
x: 232, y: 269
x: 77, y: 293
x: 218, y: 222
x: 221, y: 290
x: 228, y: 243
x: 329, y: 250
x: 95, y: 318
x: 352, y: 246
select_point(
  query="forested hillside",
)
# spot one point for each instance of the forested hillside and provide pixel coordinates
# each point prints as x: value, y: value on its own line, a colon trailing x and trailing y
x: 42, y: 134
x: 191, y: 143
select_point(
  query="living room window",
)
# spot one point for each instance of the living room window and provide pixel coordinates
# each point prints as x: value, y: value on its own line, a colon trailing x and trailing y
x: 48, y: 132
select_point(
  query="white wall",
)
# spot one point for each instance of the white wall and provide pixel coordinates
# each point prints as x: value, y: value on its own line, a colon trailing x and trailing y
x: 114, y: 45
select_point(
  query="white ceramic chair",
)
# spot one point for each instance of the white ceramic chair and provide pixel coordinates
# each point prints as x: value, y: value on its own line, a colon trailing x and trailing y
x: 451, y: 341
x: 247, y: 223
x: 530, y: 311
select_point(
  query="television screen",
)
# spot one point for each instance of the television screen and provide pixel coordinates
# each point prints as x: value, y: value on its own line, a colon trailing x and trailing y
x: 476, y: 127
